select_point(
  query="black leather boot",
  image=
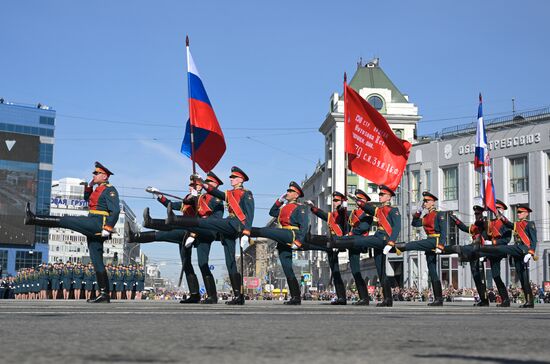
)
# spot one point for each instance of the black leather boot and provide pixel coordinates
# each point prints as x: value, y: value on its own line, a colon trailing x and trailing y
x: 438, y: 294
x: 210, y: 286
x: 46, y: 221
x: 157, y: 224
x: 194, y: 295
x: 295, y: 293
x: 238, y: 298
x: 364, y: 299
x: 503, y: 292
x: 529, y: 299
x: 340, y: 289
x: 340, y: 243
x: 180, y: 221
x: 103, y: 283
x: 388, y: 298
x: 134, y: 237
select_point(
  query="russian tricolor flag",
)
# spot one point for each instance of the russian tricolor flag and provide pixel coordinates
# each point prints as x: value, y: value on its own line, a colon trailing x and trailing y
x: 202, y: 127
x: 482, y: 162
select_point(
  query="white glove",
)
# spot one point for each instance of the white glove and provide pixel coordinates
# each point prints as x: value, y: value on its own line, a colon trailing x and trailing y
x: 336, y: 250
x: 189, y: 241
x: 244, y: 241
x: 194, y: 192
x: 282, y: 198
x: 294, y: 246
x: 152, y: 190
x: 420, y: 208
x: 438, y: 251
x: 481, y: 259
x: 345, y: 204
x: 527, y: 258
x: 309, y: 203
x: 387, y: 249
x: 105, y: 233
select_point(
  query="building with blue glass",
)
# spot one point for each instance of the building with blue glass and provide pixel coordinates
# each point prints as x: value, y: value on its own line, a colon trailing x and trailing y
x: 26, y: 156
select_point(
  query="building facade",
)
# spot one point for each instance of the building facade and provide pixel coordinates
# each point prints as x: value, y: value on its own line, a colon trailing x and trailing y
x: 519, y: 147
x: 67, y: 245
x: 26, y: 163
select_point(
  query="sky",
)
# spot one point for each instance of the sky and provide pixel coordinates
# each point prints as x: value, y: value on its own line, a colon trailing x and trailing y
x: 115, y: 72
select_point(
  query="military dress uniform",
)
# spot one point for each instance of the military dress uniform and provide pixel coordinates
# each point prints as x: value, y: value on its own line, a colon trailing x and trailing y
x: 389, y: 226
x: 499, y: 234
x: 338, y: 226
x: 240, y: 206
x: 89, y: 276
x: 293, y: 219
x: 478, y: 233
x: 360, y: 224
x: 55, y: 275
x: 104, y: 209
x: 523, y: 249
x: 434, y: 223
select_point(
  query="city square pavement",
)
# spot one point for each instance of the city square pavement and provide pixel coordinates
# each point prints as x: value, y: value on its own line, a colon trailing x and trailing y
x: 269, y: 332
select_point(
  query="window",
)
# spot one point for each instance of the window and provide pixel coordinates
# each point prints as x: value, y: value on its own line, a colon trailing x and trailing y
x: 372, y: 188
x: 452, y: 237
x: 47, y: 121
x: 376, y: 102
x: 428, y: 178
x: 449, y: 272
x: 519, y: 180
x: 477, y: 188
x: 27, y: 259
x: 4, y: 260
x: 415, y: 186
x: 450, y: 183
x: 398, y: 133
x: 352, y: 189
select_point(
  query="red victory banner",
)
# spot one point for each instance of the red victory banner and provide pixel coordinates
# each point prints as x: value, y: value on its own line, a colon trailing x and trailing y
x: 374, y: 152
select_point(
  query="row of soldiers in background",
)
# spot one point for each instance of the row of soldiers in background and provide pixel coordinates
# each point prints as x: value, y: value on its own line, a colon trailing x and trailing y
x: 76, y: 281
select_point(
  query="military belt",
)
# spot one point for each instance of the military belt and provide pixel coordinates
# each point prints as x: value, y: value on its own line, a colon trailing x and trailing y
x: 97, y: 212
x: 434, y: 235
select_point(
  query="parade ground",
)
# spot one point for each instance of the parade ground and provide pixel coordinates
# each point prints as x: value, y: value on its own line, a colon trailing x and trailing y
x: 269, y: 332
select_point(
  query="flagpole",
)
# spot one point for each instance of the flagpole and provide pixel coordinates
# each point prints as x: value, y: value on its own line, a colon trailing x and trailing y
x: 191, y: 127
x: 345, y: 153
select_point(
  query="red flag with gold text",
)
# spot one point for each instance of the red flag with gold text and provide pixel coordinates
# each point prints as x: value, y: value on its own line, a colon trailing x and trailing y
x: 374, y: 151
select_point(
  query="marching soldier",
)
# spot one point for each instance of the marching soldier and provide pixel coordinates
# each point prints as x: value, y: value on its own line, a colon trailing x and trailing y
x: 522, y: 251
x: 206, y: 205
x: 337, y: 224
x: 434, y: 223
x: 383, y: 240
x: 104, y: 209
x: 237, y: 225
x: 478, y: 233
x: 360, y: 223
x: 293, y: 221
x: 177, y: 236
x: 499, y: 234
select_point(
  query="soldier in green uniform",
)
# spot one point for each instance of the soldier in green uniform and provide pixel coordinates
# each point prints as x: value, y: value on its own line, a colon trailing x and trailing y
x: 383, y: 240
x: 294, y: 222
x: 78, y: 278
x: 178, y: 236
x: 522, y: 251
x: 360, y: 223
x: 104, y: 209
x: 89, y: 278
x: 128, y: 281
x: 55, y: 276
x: 140, y: 282
x: 67, y: 280
x: 434, y: 223
x: 478, y: 233
x: 337, y: 222
x: 119, y: 279
x: 240, y: 204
